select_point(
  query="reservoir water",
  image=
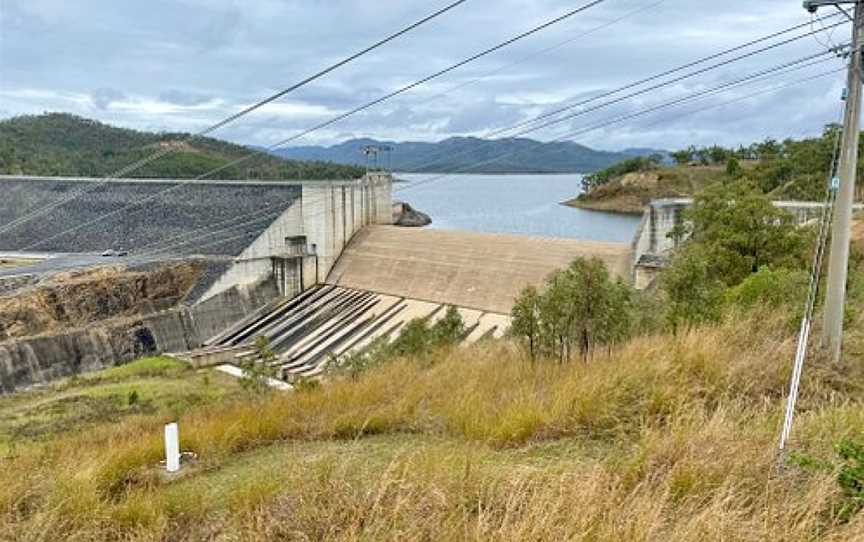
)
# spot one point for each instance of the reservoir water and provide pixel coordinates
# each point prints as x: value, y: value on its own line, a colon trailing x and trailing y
x: 524, y: 204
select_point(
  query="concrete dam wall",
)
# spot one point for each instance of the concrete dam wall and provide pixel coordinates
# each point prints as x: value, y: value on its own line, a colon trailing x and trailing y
x: 652, y: 244
x: 471, y: 270
x: 290, y: 236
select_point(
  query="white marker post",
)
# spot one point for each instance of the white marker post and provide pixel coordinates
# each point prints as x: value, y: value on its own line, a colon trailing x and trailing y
x: 172, y: 447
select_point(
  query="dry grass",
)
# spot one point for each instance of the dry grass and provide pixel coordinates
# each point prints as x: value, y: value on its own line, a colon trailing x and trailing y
x: 667, y: 438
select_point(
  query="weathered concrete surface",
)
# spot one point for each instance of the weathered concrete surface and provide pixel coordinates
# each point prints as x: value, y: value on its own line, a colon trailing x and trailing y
x: 249, y: 221
x: 328, y: 322
x: 472, y: 270
x: 186, y: 328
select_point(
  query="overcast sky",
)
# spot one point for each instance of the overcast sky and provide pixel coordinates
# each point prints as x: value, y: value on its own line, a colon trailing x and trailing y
x: 179, y: 65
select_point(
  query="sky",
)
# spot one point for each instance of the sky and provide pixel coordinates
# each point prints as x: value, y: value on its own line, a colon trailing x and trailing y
x: 181, y: 65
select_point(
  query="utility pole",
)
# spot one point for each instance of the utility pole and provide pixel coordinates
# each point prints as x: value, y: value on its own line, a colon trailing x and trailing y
x: 838, y: 263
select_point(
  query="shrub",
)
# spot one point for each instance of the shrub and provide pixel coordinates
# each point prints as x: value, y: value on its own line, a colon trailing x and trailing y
x: 694, y: 295
x: 581, y: 308
x: 851, y: 475
x: 259, y: 369
x: 417, y: 338
x: 733, y: 232
x: 633, y: 165
x: 769, y: 288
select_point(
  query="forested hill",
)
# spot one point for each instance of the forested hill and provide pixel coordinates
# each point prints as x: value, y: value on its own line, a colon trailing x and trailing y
x: 472, y: 155
x: 62, y: 144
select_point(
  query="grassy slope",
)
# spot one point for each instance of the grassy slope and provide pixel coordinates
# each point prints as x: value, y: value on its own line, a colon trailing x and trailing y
x: 164, y: 388
x: 62, y: 144
x: 667, y: 438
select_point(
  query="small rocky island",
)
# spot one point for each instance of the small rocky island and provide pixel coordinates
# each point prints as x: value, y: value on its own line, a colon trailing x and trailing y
x: 405, y: 215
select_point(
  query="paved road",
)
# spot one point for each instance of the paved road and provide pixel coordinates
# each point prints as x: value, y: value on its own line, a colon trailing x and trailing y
x: 57, y: 262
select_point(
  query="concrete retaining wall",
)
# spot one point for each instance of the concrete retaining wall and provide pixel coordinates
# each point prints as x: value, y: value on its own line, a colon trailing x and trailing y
x: 327, y: 215
x: 652, y: 244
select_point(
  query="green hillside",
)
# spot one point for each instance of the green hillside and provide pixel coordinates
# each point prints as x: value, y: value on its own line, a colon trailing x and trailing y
x: 63, y: 144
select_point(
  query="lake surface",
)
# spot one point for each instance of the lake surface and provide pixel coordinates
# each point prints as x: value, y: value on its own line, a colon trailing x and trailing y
x: 525, y: 204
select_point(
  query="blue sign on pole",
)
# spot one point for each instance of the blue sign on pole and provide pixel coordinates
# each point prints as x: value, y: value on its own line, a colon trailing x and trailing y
x: 835, y: 183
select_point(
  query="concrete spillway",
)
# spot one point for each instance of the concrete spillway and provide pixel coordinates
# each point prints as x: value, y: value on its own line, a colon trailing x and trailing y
x: 477, y: 270
x: 306, y: 332
x: 388, y: 276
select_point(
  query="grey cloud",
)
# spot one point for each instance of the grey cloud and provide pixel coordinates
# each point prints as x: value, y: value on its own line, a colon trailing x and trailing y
x: 180, y: 97
x: 103, y: 97
x: 189, y: 52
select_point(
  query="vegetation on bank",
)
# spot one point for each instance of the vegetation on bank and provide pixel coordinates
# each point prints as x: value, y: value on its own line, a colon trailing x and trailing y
x: 665, y: 429
x: 737, y: 251
x: 664, y: 438
x: 789, y: 169
x: 61, y: 144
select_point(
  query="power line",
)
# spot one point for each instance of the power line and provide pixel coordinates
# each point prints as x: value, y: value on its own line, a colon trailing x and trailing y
x: 333, y: 120
x: 526, y: 131
x: 170, y: 148
x: 640, y: 92
x: 150, y: 198
x: 747, y: 80
x: 543, y: 51
x: 413, y: 85
x: 812, y: 294
x: 692, y: 64
x: 798, y: 64
x: 714, y: 90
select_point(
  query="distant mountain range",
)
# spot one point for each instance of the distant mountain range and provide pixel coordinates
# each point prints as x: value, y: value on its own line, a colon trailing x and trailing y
x: 471, y: 155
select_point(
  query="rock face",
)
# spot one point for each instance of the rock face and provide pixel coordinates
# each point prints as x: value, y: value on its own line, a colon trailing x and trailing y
x: 78, y: 300
x: 80, y: 341
x: 36, y: 360
x: 405, y: 215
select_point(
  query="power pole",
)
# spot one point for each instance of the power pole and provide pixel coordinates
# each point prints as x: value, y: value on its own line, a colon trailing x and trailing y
x: 838, y: 263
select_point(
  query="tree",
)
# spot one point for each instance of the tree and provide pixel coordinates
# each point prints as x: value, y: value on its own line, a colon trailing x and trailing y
x: 717, y: 154
x: 580, y: 309
x: 259, y: 369
x: 733, y: 167
x: 526, y: 318
x: 417, y: 338
x: 449, y: 330
x: 732, y: 231
x: 693, y: 292
x: 741, y: 230
x: 682, y: 157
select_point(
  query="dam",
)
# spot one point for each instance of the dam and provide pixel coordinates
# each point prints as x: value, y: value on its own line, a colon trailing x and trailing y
x: 315, y: 266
